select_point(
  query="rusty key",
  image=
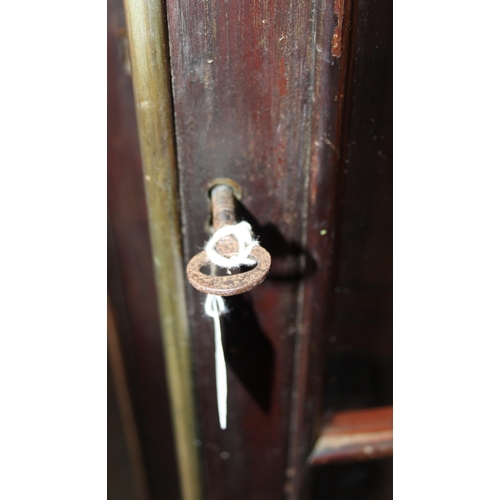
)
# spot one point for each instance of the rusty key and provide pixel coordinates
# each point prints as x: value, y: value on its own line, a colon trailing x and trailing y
x: 223, y: 214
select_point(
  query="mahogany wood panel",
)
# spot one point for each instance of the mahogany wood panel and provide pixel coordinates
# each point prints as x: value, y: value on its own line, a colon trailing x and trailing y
x: 360, y: 364
x: 256, y: 99
x: 359, y: 322
x: 272, y: 96
x: 355, y: 435
x: 120, y: 476
x: 264, y: 93
x: 130, y: 468
x: 130, y: 271
x: 333, y: 67
x: 365, y: 480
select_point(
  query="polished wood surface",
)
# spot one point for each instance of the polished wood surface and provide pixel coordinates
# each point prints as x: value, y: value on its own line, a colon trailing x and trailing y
x: 332, y: 100
x: 358, y: 374
x: 355, y: 435
x: 359, y: 366
x: 258, y: 98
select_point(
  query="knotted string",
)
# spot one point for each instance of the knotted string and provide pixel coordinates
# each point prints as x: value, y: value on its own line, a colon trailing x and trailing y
x: 215, y: 306
x: 243, y: 234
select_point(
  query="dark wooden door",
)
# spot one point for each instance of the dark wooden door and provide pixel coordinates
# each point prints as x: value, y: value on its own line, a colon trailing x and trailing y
x: 291, y: 101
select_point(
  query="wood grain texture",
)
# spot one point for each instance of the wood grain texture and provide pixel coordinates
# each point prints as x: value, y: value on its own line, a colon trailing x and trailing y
x: 360, y: 364
x: 242, y: 76
x: 355, y: 435
x: 260, y: 98
x: 324, y: 211
x: 249, y: 106
x: 357, y: 316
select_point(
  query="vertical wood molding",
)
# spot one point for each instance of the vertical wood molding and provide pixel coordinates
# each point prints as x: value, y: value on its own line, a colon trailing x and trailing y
x: 324, y: 208
x: 146, y: 25
x: 126, y: 409
x: 243, y: 86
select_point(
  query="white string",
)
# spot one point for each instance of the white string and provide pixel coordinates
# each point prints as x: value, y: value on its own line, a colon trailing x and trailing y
x: 215, y: 306
x: 243, y: 233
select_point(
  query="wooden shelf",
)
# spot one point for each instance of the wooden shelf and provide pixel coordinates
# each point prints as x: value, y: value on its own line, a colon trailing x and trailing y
x: 355, y: 435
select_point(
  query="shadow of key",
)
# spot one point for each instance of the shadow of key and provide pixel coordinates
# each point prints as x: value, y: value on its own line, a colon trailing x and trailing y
x: 248, y: 351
